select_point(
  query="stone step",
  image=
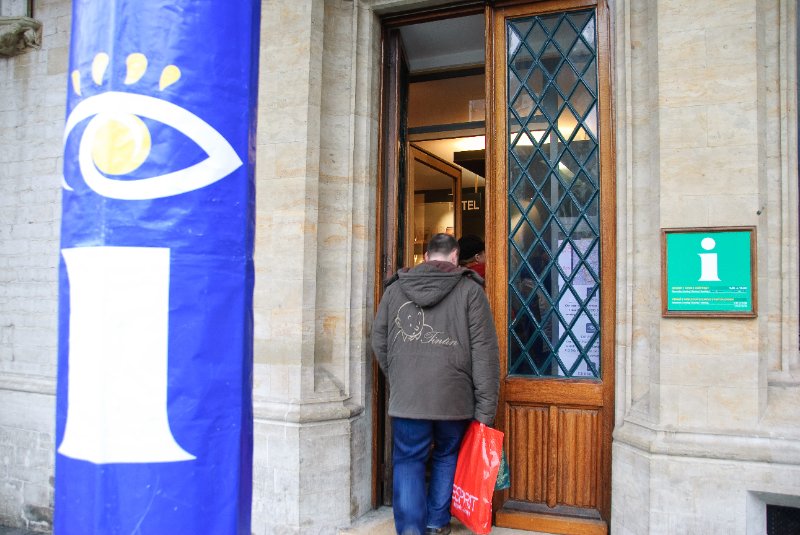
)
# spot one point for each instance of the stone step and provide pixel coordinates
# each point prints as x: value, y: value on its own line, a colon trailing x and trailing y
x: 5, y: 530
x: 381, y: 522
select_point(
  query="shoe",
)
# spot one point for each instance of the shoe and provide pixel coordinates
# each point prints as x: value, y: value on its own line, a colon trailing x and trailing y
x: 444, y: 530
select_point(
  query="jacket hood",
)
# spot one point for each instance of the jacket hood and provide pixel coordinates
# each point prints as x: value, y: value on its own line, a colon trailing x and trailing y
x: 430, y: 282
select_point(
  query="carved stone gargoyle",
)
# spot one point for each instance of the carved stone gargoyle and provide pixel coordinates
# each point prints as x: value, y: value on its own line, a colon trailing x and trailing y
x: 18, y: 34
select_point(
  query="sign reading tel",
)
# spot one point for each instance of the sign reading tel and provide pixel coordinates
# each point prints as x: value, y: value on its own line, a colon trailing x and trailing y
x: 709, y: 272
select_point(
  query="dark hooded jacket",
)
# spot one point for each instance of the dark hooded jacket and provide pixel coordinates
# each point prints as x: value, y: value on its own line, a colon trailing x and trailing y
x: 434, y: 339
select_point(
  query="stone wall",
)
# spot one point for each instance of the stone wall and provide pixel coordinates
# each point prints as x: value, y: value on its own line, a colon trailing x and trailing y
x: 705, y: 96
x: 32, y: 107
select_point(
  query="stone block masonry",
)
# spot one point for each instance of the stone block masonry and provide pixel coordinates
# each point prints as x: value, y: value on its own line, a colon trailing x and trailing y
x: 32, y: 108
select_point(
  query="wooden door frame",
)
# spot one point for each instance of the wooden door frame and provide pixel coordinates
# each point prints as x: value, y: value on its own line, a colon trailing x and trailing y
x: 496, y: 236
x: 585, y: 391
x: 386, y: 228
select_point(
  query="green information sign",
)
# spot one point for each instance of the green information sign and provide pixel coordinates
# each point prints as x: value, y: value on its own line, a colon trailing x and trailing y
x: 708, y: 272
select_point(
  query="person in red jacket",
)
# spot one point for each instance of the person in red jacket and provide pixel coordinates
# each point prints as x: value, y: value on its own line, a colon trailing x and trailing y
x: 472, y: 254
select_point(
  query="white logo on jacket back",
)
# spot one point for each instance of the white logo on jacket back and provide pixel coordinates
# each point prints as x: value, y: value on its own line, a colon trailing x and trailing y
x: 410, y: 320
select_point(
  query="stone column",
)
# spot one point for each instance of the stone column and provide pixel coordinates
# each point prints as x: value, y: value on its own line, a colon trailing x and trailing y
x: 313, y: 255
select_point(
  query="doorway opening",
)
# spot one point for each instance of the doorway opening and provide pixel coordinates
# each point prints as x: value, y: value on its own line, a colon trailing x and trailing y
x: 434, y: 116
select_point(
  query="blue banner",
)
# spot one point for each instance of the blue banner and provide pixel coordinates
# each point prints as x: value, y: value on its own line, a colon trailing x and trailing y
x: 154, y: 411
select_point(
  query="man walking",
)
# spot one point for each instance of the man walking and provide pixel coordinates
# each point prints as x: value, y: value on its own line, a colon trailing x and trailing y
x: 435, y: 341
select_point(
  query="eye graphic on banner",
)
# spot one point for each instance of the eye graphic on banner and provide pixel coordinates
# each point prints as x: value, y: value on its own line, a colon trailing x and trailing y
x: 119, y: 296
x: 116, y: 141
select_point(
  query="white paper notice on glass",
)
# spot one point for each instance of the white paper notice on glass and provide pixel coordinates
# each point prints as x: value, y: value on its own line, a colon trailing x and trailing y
x: 583, y: 284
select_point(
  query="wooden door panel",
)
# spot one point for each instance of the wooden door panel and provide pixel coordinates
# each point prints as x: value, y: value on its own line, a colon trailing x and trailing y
x: 528, y: 436
x: 578, y: 454
x: 557, y: 422
x: 544, y: 392
x: 569, y: 481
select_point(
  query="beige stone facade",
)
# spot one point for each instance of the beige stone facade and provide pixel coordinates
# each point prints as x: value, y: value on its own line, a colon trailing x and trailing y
x: 707, y: 410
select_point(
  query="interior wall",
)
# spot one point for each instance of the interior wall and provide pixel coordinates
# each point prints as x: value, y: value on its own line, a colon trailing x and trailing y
x: 446, y: 101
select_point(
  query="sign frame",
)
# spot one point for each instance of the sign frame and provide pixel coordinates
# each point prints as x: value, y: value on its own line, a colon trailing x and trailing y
x: 752, y: 312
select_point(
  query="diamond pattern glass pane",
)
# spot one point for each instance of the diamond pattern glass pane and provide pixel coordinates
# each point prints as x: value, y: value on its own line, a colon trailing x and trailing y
x: 523, y: 238
x: 591, y: 81
x: 588, y: 32
x: 550, y: 103
x: 513, y: 85
x: 582, y: 190
x: 566, y: 80
x: 554, y: 191
x: 523, y: 193
x: 521, y: 63
x: 536, y: 81
x: 514, y: 41
x: 521, y: 151
x: 538, y: 169
x: 581, y: 99
x: 567, y: 211
x: 523, y: 105
x: 591, y: 121
x: 593, y: 211
x: 580, y: 19
x: 524, y: 287
x: 550, y: 59
x: 590, y: 166
x: 565, y: 35
x: 567, y: 168
x: 514, y: 171
x: 567, y: 122
x: 523, y: 27
x: 581, y: 56
x: 539, y: 216
x: 537, y: 38
x: 539, y: 262
x: 583, y: 146
x: 553, y: 197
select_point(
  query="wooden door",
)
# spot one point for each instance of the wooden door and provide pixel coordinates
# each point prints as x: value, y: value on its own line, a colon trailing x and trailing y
x: 433, y: 204
x: 552, y: 254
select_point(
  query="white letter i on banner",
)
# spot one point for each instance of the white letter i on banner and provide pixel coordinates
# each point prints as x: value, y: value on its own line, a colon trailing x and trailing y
x: 118, y: 341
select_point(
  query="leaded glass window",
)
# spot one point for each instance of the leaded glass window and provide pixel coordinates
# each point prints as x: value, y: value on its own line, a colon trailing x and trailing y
x: 553, y: 196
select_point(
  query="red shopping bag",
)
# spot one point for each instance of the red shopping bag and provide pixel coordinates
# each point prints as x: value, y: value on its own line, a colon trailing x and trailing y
x: 476, y: 473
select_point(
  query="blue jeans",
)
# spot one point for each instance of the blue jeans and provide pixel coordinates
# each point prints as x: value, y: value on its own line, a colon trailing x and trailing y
x: 414, y: 509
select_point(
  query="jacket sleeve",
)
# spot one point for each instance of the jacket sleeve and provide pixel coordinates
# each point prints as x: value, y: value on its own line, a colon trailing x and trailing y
x: 485, y: 363
x: 380, y: 334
